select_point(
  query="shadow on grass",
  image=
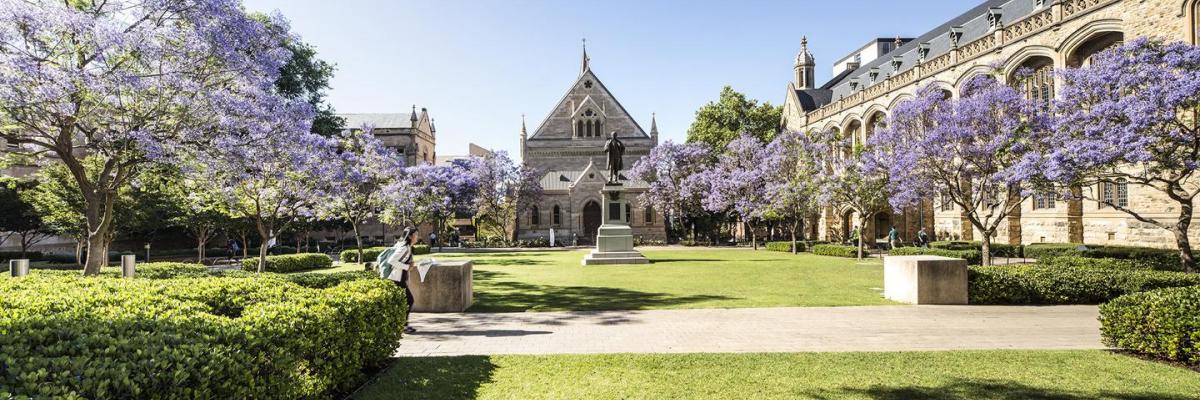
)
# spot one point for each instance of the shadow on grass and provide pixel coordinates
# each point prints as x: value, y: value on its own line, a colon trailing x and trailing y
x: 493, y: 294
x: 433, y: 378
x: 961, y: 389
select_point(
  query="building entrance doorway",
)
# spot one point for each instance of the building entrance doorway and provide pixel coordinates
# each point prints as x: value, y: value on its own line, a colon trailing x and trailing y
x: 591, y: 222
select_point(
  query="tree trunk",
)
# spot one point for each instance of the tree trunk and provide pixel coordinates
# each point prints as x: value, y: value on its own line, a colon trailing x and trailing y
x: 78, y: 251
x: 265, y: 234
x: 98, y: 213
x: 986, y: 250
x: 794, y: 246
x: 1186, y: 257
x: 201, y: 242
x: 358, y: 241
x: 245, y: 245
x: 859, y: 228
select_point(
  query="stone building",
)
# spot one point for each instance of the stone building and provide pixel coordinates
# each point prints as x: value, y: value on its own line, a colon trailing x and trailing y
x: 412, y: 134
x: 1041, y: 35
x: 567, y: 148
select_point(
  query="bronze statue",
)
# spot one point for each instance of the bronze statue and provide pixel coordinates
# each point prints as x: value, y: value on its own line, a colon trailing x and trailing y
x: 615, y: 150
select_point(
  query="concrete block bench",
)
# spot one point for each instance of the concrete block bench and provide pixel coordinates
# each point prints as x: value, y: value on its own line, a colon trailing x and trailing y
x: 447, y: 287
x: 925, y: 279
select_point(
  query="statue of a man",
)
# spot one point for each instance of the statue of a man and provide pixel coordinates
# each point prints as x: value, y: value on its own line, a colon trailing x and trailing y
x: 615, y: 150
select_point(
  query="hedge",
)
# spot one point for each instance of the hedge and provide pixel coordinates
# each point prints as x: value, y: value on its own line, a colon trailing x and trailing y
x: 16, y: 255
x: 802, y: 245
x: 225, y: 337
x: 290, y: 262
x: 997, y: 249
x: 835, y: 250
x: 371, y: 253
x: 1161, y: 259
x: 1161, y: 323
x: 1101, y: 263
x: 1044, y: 285
x: 973, y: 257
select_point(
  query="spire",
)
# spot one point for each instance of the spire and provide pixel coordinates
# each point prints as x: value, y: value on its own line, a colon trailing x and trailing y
x: 523, y: 132
x: 584, y: 66
x: 654, y: 123
x: 413, y: 116
x: 432, y: 127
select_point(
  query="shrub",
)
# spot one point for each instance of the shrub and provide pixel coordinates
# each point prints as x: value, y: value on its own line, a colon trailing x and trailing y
x: 782, y: 246
x: 1042, y: 285
x: 1085, y: 262
x: 370, y: 254
x: 226, y: 337
x: 973, y: 257
x: 1160, y: 259
x: 835, y: 250
x: 997, y: 249
x: 16, y: 255
x: 290, y: 262
x: 1162, y: 323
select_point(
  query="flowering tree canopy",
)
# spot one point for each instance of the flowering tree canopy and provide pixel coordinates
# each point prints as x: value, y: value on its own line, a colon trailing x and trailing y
x: 135, y: 82
x: 506, y: 190
x: 792, y: 180
x: 361, y: 170
x: 737, y: 181
x: 980, y: 151
x: 847, y: 176
x: 673, y: 173
x: 1132, y: 115
x: 432, y: 193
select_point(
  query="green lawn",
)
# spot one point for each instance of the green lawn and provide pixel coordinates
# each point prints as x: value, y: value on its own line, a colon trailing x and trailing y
x: 975, y: 375
x: 555, y: 281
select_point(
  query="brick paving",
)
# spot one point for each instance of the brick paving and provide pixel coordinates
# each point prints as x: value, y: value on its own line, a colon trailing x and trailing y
x: 834, y: 329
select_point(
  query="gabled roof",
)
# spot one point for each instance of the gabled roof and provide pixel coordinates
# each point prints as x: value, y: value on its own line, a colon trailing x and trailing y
x: 565, y: 180
x: 563, y: 104
x: 379, y: 120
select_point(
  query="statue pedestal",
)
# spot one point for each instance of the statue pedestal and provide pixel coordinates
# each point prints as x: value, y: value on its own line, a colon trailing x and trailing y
x: 614, y: 240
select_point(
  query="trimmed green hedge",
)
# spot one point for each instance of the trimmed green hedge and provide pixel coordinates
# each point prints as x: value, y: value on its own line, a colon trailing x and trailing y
x: 997, y: 249
x: 1160, y: 259
x: 835, y: 250
x: 371, y: 253
x: 228, y: 337
x: 802, y: 245
x: 290, y: 262
x: 1043, y: 285
x: 1101, y: 263
x: 973, y: 257
x: 1162, y: 323
x: 16, y: 255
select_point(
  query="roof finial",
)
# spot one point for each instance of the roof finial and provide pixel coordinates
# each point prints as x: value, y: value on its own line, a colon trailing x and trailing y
x: 413, y: 117
x: 523, y: 132
x: 899, y: 42
x: 653, y: 123
x: 804, y: 42
x: 584, y: 67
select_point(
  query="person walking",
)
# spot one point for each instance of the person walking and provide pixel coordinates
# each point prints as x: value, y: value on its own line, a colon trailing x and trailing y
x: 922, y: 238
x: 893, y: 237
x: 394, y: 264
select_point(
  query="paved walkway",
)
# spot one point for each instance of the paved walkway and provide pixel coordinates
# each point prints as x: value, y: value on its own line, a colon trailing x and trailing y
x: 876, y: 328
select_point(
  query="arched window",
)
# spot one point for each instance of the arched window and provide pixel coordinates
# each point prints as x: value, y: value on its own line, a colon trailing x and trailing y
x: 1035, y: 78
x: 578, y: 128
x: 556, y: 216
x: 877, y: 121
x: 1195, y: 22
x: 649, y: 217
x: 534, y: 218
x: 1083, y: 55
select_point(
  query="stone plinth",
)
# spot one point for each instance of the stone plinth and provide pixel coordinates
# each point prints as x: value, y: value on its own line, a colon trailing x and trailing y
x: 925, y: 279
x: 614, y: 239
x: 447, y: 287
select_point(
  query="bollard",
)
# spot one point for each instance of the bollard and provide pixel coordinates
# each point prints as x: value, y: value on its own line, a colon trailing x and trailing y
x: 18, y: 268
x: 127, y: 265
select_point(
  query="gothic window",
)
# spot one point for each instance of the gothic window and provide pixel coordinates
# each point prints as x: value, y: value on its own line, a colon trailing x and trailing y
x: 1035, y: 78
x: 649, y: 215
x: 534, y: 218
x: 628, y: 213
x: 1122, y: 193
x: 947, y: 202
x: 556, y: 216
x: 578, y: 128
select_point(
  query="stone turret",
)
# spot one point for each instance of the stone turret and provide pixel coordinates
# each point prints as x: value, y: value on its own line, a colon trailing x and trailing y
x: 805, y: 68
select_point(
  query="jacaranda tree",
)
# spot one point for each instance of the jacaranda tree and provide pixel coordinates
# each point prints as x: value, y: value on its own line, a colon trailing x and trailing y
x: 1133, y: 115
x: 791, y: 181
x: 980, y: 151
x: 848, y: 178
x: 673, y: 173
x: 506, y: 191
x: 433, y: 193
x: 737, y: 182
x: 136, y: 82
x: 362, y: 169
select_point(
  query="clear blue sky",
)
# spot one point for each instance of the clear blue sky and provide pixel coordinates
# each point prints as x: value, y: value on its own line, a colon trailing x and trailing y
x: 478, y: 65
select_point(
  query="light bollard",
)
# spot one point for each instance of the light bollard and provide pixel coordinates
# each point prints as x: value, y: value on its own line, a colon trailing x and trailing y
x: 127, y: 265
x: 18, y: 268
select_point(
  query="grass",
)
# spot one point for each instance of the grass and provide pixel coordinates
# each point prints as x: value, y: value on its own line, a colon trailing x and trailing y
x: 976, y: 375
x: 555, y: 281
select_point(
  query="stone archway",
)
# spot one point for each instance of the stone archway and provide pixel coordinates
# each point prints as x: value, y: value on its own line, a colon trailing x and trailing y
x: 592, y: 219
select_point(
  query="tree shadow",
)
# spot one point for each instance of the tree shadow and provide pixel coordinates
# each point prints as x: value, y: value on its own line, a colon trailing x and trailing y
x: 433, y: 378
x: 962, y: 389
x: 484, y: 333
x: 499, y: 295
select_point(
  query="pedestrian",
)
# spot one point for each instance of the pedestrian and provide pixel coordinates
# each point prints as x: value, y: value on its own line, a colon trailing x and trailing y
x: 394, y: 264
x: 893, y: 237
x: 233, y: 248
x: 923, y: 238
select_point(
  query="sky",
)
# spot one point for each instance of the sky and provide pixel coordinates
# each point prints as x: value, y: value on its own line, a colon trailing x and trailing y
x: 479, y: 65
